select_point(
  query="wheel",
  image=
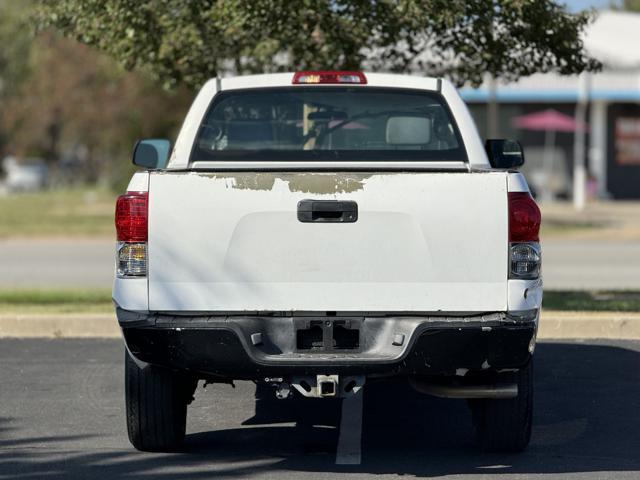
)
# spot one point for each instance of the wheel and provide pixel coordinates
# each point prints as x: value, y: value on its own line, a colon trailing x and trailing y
x: 504, y: 425
x: 156, y: 403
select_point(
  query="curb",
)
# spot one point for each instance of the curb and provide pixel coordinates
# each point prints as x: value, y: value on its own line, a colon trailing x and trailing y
x: 70, y: 325
x: 589, y: 325
x: 554, y: 325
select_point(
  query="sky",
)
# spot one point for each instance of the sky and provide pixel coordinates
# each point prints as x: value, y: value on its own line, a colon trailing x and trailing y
x: 577, y: 5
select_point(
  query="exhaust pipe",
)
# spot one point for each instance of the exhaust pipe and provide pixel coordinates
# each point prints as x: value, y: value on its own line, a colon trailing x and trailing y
x: 498, y: 391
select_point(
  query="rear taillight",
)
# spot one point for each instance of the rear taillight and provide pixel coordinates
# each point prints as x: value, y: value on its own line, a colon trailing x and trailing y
x: 524, y: 218
x: 524, y: 236
x: 131, y: 228
x: 524, y: 260
x: 329, y: 77
x: 131, y: 217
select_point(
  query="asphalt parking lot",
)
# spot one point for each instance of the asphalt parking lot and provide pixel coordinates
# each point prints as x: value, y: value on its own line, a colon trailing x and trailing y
x: 61, y: 416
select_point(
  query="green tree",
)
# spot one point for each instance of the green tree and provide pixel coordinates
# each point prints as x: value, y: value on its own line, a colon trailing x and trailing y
x: 72, y: 100
x: 631, y: 5
x: 15, y: 43
x: 188, y: 41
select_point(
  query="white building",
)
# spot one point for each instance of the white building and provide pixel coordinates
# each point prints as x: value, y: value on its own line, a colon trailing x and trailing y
x: 613, y: 137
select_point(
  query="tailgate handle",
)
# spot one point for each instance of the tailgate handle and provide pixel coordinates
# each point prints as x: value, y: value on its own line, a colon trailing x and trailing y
x: 327, y: 211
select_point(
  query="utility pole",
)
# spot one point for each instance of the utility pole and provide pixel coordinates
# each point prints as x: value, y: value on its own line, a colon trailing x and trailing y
x: 493, y: 121
x: 579, y: 168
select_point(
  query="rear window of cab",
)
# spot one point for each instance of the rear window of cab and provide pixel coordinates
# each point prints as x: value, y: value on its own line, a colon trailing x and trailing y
x: 328, y: 123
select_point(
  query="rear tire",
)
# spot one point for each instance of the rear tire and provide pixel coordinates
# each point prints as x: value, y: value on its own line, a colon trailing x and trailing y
x: 505, y: 425
x: 156, y: 407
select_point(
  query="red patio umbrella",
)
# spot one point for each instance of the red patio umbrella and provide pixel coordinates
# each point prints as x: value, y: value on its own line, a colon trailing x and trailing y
x: 547, y: 120
x: 550, y: 121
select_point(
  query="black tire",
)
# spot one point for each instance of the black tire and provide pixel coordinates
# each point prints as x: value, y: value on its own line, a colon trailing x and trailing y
x: 505, y: 425
x: 156, y: 407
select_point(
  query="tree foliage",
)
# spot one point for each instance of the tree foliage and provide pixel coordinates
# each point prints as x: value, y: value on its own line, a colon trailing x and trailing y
x: 189, y: 41
x: 74, y: 106
x: 15, y: 41
x: 630, y: 5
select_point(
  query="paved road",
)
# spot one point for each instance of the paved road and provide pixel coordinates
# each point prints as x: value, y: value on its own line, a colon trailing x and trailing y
x: 591, y: 264
x: 568, y: 264
x: 56, y: 263
x: 61, y: 416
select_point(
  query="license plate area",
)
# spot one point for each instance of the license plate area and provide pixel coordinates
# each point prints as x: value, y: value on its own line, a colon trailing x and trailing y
x: 328, y: 334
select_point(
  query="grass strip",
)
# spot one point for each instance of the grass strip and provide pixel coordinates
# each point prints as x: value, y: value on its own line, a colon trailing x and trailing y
x: 79, y: 212
x: 32, y: 301
x: 592, y: 300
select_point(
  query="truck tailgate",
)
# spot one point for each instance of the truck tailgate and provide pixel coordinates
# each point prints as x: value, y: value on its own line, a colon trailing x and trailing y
x: 423, y: 242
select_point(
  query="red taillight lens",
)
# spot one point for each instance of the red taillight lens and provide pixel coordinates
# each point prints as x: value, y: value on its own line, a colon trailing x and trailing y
x: 329, y: 77
x: 131, y: 217
x: 524, y: 218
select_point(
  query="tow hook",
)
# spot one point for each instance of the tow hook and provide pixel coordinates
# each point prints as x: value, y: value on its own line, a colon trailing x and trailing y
x: 283, y: 389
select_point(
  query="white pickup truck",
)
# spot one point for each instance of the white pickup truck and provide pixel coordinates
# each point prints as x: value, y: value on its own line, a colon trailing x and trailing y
x: 319, y: 230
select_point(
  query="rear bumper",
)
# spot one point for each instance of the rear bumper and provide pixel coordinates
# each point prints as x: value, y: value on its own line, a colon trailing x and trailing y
x: 255, y: 347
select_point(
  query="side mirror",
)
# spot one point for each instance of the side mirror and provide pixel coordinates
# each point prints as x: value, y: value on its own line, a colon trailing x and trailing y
x: 504, y: 153
x: 152, y: 153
